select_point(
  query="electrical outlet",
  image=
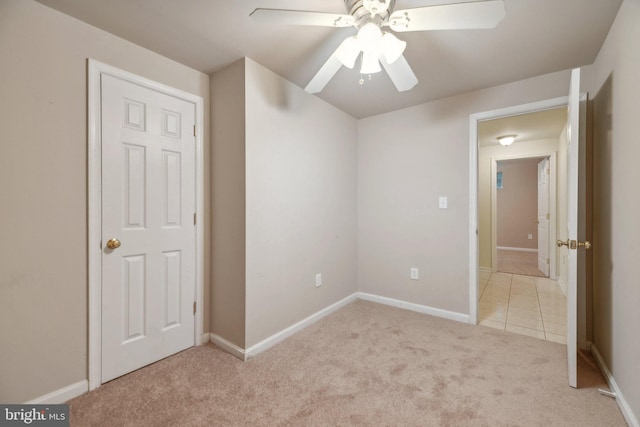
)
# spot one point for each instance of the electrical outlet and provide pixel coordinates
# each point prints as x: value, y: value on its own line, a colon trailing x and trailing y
x: 318, y: 280
x: 442, y: 202
x: 530, y: 236
x: 414, y: 273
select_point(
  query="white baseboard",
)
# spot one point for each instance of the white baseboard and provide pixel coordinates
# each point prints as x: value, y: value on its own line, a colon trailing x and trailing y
x: 627, y: 413
x: 276, y: 338
x: 507, y: 248
x: 245, y: 354
x: 61, y: 395
x: 228, y: 346
x: 451, y: 315
x: 286, y: 333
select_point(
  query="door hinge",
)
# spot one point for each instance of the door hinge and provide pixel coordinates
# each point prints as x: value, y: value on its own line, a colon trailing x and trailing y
x: 194, y: 130
x: 195, y: 218
x: 194, y: 307
x: 548, y: 261
x: 548, y: 216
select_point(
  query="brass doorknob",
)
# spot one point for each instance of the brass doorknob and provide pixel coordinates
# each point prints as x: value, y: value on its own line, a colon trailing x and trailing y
x: 573, y: 244
x: 585, y: 245
x: 113, y: 243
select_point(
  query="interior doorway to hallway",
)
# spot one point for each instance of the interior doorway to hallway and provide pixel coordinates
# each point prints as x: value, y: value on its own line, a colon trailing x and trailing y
x: 530, y: 143
x: 509, y: 183
x: 517, y: 290
x: 517, y: 218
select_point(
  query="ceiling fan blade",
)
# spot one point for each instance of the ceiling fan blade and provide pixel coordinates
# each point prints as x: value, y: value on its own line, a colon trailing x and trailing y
x: 400, y: 73
x: 326, y: 72
x: 301, y: 17
x: 459, y: 16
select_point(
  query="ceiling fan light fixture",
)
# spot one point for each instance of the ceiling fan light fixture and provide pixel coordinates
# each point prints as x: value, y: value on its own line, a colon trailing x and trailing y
x: 506, y: 140
x: 392, y: 47
x: 369, y: 37
x: 370, y: 63
x: 348, y: 52
x: 386, y: 51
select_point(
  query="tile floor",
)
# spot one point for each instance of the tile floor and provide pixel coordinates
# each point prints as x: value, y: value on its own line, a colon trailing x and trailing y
x: 534, y: 306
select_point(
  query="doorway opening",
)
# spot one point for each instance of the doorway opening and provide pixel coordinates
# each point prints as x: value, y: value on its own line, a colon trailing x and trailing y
x: 536, y: 147
x: 517, y: 287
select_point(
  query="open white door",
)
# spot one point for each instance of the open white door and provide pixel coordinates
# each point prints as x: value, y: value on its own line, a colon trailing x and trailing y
x: 572, y: 243
x: 543, y: 216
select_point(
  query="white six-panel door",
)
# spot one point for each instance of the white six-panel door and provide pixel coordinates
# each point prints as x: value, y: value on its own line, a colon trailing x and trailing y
x: 543, y: 216
x: 148, y: 205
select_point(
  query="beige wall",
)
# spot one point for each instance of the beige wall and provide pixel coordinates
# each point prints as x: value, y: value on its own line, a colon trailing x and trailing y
x: 43, y: 173
x: 284, y: 203
x: 517, y: 204
x: 616, y: 101
x: 301, y: 203
x: 43, y: 179
x: 406, y: 160
x: 228, y: 203
x: 543, y: 147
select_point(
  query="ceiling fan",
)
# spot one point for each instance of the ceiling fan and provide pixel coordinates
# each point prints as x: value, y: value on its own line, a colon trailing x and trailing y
x: 376, y: 47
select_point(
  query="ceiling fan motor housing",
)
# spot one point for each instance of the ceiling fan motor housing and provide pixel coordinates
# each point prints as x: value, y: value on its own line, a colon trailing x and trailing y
x: 365, y: 11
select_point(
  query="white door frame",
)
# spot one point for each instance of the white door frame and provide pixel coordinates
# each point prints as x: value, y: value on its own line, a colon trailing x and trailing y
x: 474, y: 119
x: 552, y: 155
x: 94, y: 152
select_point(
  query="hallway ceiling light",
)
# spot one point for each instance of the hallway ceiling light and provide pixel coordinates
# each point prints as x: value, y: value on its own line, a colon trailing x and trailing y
x: 506, y: 140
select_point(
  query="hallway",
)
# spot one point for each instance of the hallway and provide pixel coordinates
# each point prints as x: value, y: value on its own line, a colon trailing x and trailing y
x: 533, y: 306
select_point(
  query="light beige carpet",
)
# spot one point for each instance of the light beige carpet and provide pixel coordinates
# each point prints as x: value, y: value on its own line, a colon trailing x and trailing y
x: 515, y: 262
x: 366, y: 365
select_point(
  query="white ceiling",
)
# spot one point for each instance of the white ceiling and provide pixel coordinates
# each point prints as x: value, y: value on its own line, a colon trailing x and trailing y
x: 536, y: 126
x: 536, y: 37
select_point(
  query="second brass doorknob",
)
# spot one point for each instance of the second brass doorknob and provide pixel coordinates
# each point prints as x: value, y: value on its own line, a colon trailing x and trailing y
x: 585, y: 245
x: 573, y: 244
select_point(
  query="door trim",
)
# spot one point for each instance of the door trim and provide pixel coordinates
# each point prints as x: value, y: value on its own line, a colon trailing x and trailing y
x: 474, y: 119
x: 553, y: 182
x: 94, y: 194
